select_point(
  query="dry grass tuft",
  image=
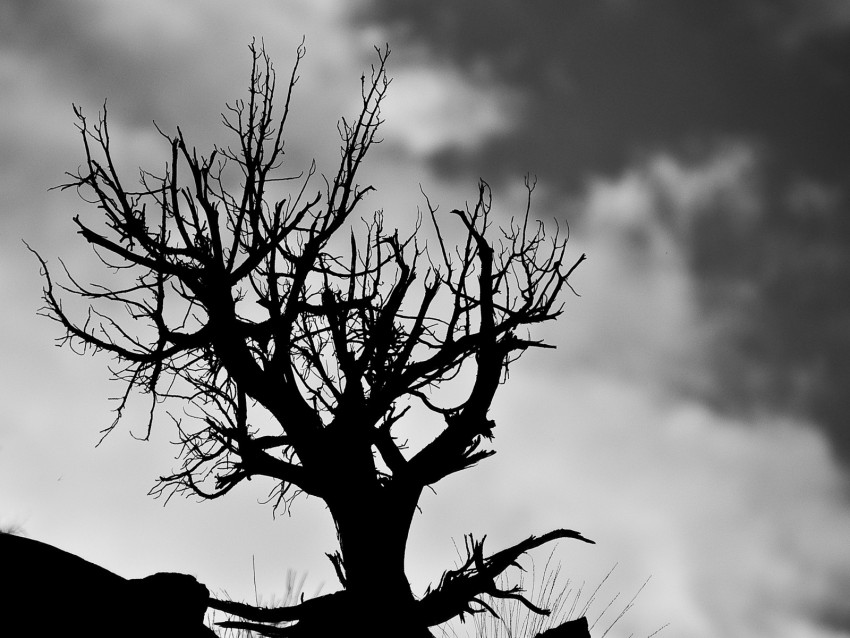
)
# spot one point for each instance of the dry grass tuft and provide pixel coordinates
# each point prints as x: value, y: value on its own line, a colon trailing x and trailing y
x: 566, y: 601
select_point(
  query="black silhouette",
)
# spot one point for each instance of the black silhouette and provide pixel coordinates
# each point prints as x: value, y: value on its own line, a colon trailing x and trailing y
x: 571, y: 629
x: 50, y: 592
x: 248, y: 304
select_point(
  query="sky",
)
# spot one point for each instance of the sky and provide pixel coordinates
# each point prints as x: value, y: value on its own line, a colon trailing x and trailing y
x: 692, y: 420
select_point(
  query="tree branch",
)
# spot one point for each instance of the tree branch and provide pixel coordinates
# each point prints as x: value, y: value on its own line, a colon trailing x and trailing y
x: 460, y: 587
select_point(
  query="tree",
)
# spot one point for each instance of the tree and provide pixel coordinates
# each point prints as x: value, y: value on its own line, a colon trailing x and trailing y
x: 295, y: 357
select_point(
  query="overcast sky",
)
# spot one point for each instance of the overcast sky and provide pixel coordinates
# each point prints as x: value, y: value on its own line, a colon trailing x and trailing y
x: 693, y: 419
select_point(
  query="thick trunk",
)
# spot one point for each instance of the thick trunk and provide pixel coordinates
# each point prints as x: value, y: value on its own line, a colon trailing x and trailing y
x: 373, y: 531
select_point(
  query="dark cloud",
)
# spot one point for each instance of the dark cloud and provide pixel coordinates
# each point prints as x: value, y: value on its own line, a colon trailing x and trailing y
x: 607, y: 80
x: 787, y: 278
x: 62, y: 39
x: 609, y: 83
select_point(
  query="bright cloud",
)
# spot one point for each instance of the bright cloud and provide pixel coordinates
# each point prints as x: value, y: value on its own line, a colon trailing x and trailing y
x: 667, y: 191
x: 741, y: 524
x: 639, y: 312
x: 432, y: 108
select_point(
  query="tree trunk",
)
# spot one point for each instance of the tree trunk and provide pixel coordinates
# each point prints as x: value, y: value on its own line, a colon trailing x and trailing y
x: 372, y: 527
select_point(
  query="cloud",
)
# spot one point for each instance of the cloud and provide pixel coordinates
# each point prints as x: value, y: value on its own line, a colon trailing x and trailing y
x: 796, y: 23
x: 180, y: 63
x: 741, y: 524
x: 640, y: 313
x: 758, y: 540
x: 812, y: 200
x: 432, y: 108
x: 597, y: 93
x: 740, y: 521
x: 665, y: 190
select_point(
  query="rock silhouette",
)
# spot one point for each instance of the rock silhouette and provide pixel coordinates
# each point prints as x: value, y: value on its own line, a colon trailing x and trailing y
x: 571, y: 629
x: 48, y: 591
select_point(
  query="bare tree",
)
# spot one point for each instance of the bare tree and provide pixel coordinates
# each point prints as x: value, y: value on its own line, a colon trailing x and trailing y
x: 297, y: 342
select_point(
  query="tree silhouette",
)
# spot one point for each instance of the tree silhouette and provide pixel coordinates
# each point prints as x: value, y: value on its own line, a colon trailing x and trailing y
x: 297, y: 338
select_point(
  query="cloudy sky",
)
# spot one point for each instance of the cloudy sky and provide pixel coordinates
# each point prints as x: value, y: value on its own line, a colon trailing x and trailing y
x: 693, y: 419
